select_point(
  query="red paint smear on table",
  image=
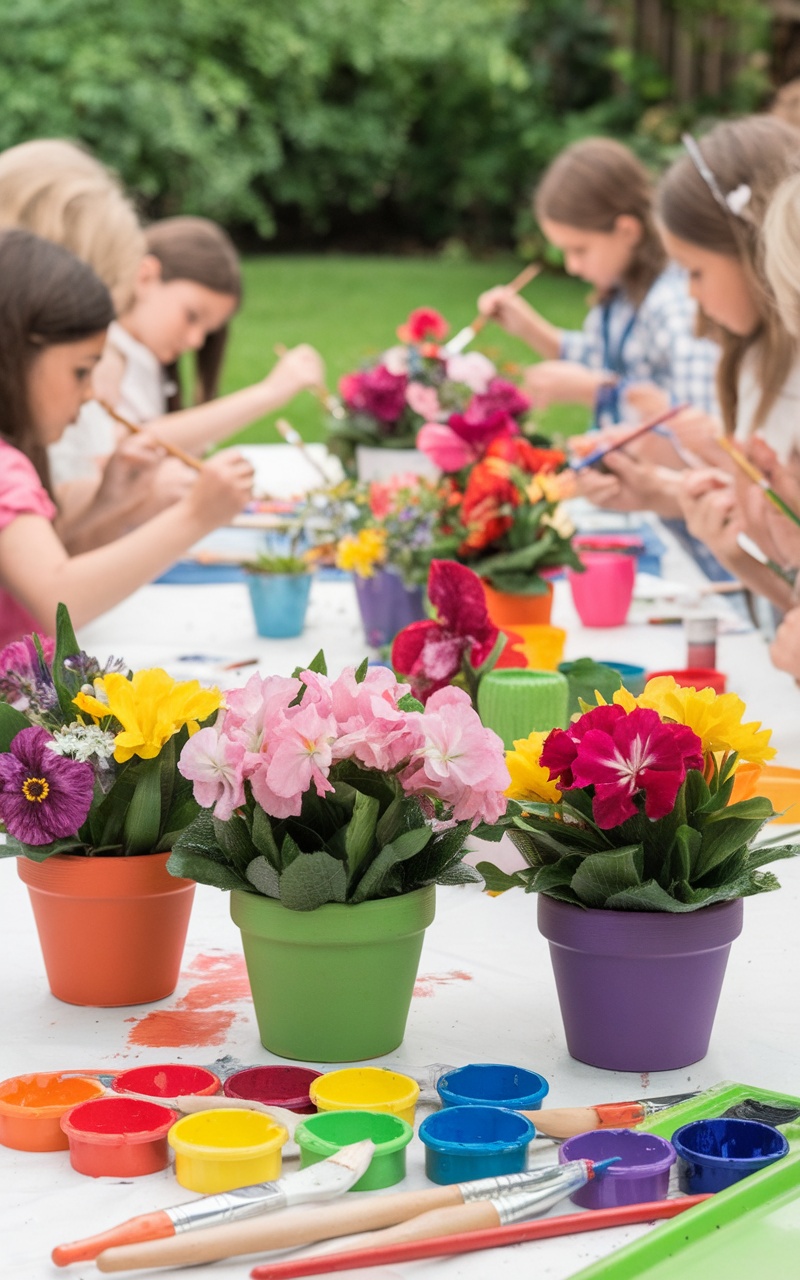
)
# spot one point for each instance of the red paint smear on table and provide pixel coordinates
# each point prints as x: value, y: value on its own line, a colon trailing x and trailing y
x: 427, y: 983
x: 196, y: 1018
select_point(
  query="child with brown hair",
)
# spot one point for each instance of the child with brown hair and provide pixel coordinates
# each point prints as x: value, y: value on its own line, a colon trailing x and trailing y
x: 594, y: 203
x: 54, y: 312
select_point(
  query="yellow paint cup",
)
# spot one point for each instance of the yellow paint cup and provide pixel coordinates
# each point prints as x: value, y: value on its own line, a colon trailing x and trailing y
x: 225, y: 1149
x: 366, y: 1089
x: 542, y: 645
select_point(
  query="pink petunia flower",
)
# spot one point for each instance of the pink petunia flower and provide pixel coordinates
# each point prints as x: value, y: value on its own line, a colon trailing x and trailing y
x: 302, y: 759
x: 462, y: 763
x: 445, y: 448
x: 43, y: 796
x: 215, y: 764
x: 472, y: 369
x: 423, y: 400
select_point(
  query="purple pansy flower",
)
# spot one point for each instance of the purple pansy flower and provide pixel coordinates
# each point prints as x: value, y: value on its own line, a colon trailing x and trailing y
x: 25, y: 680
x: 43, y: 796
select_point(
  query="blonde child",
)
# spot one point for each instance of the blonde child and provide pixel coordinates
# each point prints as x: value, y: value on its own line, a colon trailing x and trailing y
x: 54, y: 313
x: 594, y: 203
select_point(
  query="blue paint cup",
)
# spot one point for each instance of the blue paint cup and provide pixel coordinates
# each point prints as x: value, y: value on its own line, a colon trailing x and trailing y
x: 713, y: 1154
x: 279, y: 603
x: 634, y: 677
x: 464, y: 1143
x: 493, y: 1084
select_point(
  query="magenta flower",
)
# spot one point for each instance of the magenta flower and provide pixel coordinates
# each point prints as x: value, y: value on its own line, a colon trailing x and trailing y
x: 622, y: 755
x: 375, y: 391
x: 445, y: 448
x: 500, y: 397
x: 430, y: 653
x: 479, y: 430
x: 43, y: 796
x: 25, y: 680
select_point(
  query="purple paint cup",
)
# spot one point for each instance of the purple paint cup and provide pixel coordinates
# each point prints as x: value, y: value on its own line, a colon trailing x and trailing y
x: 640, y: 1175
x: 274, y: 1086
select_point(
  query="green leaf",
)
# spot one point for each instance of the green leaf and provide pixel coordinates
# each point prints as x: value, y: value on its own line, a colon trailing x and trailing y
x: 194, y: 865
x: 361, y: 671
x: 290, y: 851
x: 685, y: 850
x: 498, y: 881
x: 234, y: 840
x: 409, y: 703
x: 317, y: 664
x: 360, y: 832
x: 311, y: 880
x: 11, y: 723
x: 459, y: 873
x: 264, y: 839
x: 649, y: 896
x: 403, y: 814
x: 405, y: 846
x: 263, y: 876
x: 602, y: 875
x: 66, y: 647
x: 585, y: 677
x: 143, y: 818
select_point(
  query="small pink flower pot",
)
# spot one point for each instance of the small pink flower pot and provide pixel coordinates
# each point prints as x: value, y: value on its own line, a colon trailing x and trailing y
x: 603, y: 592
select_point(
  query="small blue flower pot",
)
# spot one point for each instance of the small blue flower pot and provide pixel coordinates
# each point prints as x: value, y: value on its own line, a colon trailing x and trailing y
x: 493, y: 1084
x: 464, y: 1143
x: 713, y: 1154
x: 279, y: 603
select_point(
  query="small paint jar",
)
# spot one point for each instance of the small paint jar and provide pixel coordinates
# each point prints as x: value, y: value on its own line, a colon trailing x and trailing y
x: 493, y: 1084
x: 366, y: 1089
x: 322, y: 1135
x: 640, y: 1175
x: 274, y: 1086
x: 713, y: 1154
x: 118, y: 1137
x: 167, y: 1080
x: 464, y: 1143
x: 695, y: 678
x: 31, y: 1107
x: 225, y: 1149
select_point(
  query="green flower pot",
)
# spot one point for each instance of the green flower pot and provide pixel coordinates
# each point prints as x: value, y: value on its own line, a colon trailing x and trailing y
x: 335, y: 984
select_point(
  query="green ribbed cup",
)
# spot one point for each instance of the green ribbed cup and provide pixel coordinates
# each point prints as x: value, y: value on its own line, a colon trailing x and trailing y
x: 515, y: 702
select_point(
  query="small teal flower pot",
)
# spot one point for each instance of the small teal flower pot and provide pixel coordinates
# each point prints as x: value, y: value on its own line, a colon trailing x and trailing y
x: 279, y: 603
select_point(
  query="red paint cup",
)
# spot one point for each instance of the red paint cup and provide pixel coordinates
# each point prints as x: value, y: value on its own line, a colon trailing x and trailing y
x: 695, y: 678
x: 602, y: 594
x: 118, y: 1137
x: 167, y: 1080
x: 274, y: 1086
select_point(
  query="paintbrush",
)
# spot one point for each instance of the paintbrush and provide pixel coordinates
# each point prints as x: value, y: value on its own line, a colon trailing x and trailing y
x: 335, y: 409
x: 472, y: 1241
x: 465, y: 336
x: 565, y: 1122
x: 597, y: 455
x: 135, y: 429
x: 753, y: 550
x: 294, y: 438
x: 322, y: 1181
x: 297, y: 1227
x: 758, y: 477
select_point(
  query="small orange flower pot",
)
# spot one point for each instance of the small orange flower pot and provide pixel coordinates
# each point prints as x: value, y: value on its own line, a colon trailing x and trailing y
x: 112, y: 930
x: 505, y: 610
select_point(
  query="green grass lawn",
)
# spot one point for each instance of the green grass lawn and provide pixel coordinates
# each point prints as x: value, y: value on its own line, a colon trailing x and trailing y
x: 348, y: 307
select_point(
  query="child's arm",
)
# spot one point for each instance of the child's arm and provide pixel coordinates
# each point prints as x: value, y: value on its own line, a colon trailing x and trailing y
x: 518, y: 317
x: 563, y: 382
x: 196, y: 429
x: 39, y: 572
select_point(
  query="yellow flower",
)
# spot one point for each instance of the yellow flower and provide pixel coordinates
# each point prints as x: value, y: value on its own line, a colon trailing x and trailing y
x: 151, y: 708
x: 715, y: 718
x: 362, y: 553
x: 530, y: 780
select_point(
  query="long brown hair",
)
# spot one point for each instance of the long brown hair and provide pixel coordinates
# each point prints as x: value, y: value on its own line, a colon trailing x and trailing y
x: 591, y: 184
x: 756, y: 152
x: 47, y: 297
x: 198, y: 250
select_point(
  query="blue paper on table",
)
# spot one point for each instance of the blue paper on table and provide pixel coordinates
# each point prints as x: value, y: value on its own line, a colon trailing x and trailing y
x: 192, y: 573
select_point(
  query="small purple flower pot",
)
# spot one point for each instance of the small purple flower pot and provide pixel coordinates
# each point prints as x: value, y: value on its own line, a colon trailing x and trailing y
x: 387, y: 605
x: 640, y: 1175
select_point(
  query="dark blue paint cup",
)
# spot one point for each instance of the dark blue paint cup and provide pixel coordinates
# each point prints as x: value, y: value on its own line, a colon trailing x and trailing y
x: 493, y: 1084
x: 713, y: 1154
x: 464, y: 1143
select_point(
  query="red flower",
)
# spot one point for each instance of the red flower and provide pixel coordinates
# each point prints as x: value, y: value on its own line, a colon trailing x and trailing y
x: 485, y: 508
x: 423, y: 323
x: 377, y: 392
x: 622, y: 755
x: 429, y: 654
x: 528, y: 457
x: 480, y: 432
x: 499, y: 397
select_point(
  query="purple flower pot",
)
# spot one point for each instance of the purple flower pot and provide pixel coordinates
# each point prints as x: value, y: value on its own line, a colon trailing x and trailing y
x: 387, y: 605
x: 638, y: 989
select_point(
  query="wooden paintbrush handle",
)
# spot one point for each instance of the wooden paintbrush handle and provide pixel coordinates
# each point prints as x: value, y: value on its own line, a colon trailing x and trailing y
x: 440, y: 1222
x: 289, y: 1228
x: 563, y: 1122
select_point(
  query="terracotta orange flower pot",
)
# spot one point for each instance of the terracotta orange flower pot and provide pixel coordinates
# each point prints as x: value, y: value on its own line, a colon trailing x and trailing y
x: 112, y: 930
x: 505, y: 609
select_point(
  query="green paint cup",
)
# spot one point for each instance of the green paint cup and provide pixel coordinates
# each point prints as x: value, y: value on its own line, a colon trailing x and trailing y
x: 516, y: 702
x: 335, y: 984
x: 325, y: 1134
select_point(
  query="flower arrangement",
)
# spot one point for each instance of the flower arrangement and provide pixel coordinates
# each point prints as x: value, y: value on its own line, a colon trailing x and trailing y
x: 393, y: 524
x: 319, y: 790
x: 88, y: 753
x: 386, y: 402
x: 630, y: 807
x: 505, y: 496
x: 460, y: 644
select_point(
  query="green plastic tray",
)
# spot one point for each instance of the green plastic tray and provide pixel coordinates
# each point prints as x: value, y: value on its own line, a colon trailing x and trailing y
x: 714, y: 1102
x: 751, y: 1229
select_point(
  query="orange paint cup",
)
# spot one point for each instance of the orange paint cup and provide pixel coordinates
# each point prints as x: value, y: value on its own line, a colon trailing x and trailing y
x: 31, y: 1107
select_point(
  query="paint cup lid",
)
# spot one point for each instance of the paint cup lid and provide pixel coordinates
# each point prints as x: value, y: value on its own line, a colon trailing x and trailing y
x: 642, y: 1154
x: 108, y: 1122
x: 488, y: 1129
x: 227, y: 1134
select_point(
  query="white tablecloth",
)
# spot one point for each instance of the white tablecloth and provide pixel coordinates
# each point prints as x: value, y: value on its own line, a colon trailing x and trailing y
x: 485, y: 992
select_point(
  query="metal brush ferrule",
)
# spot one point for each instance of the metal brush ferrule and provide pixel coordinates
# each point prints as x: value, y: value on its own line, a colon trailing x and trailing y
x: 228, y: 1206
